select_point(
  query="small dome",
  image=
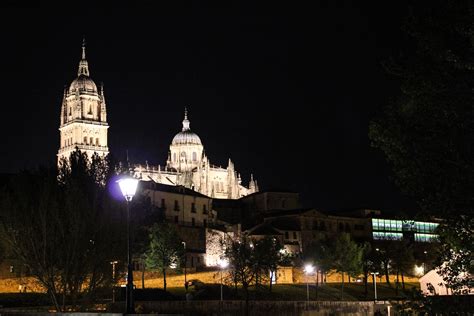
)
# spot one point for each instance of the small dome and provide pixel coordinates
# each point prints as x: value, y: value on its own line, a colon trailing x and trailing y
x: 83, y: 83
x: 186, y: 137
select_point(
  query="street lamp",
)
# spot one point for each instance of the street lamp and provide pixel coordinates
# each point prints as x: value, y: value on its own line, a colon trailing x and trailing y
x: 185, y: 257
x: 223, y: 264
x: 374, y: 274
x: 128, y: 186
x: 424, y: 262
x: 308, y: 269
x: 113, y: 263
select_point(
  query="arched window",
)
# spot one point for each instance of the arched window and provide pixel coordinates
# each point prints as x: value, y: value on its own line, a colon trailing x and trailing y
x: 92, y: 140
x: 174, y: 157
x: 97, y: 142
x: 194, y: 156
x: 85, y: 140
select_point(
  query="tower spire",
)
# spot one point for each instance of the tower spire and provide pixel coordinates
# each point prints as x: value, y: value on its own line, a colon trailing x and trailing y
x: 83, y: 48
x: 186, y: 121
x: 83, y: 66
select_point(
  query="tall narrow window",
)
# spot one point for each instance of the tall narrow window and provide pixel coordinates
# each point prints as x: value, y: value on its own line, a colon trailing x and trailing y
x: 204, y: 209
x: 194, y: 156
x: 85, y: 140
x: 193, y: 222
x: 176, y: 205
x: 97, y: 142
x: 92, y: 140
x: 193, y: 207
x: 204, y: 223
x: 174, y: 157
x: 163, y: 203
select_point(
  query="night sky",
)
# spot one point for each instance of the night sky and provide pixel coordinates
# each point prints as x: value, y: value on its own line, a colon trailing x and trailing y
x: 286, y: 92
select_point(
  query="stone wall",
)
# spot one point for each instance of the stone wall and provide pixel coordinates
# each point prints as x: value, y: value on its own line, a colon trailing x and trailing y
x: 263, y: 308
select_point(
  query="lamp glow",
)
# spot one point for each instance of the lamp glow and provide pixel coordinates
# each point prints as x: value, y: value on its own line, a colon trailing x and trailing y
x: 308, y: 269
x: 223, y: 263
x: 128, y: 186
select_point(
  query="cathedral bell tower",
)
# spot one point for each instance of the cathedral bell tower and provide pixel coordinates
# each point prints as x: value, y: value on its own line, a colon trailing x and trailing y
x: 83, y: 121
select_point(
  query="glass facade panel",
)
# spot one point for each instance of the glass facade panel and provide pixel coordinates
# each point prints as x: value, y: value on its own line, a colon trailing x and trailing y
x: 394, y: 229
x: 387, y: 236
x: 426, y: 237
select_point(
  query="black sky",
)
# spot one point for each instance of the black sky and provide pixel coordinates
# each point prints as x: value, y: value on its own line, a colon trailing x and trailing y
x: 286, y: 92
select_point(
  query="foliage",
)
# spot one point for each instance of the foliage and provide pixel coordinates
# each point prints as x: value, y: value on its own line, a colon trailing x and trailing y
x: 428, y: 133
x: 456, y: 254
x: 240, y: 256
x: 320, y: 252
x: 346, y: 256
x: 268, y: 255
x: 165, y: 249
x: 61, y: 226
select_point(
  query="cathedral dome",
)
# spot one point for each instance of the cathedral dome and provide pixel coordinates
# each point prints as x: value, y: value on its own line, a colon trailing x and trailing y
x: 186, y: 137
x: 83, y: 83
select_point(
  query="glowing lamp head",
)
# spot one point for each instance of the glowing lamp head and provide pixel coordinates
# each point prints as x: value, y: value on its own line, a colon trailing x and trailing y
x: 308, y: 269
x: 223, y: 263
x: 128, y: 186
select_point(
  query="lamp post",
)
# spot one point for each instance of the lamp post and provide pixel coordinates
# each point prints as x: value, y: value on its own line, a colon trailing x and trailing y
x: 223, y: 264
x: 185, y: 257
x: 113, y: 263
x: 128, y: 186
x: 424, y: 262
x: 374, y: 274
x: 308, y: 269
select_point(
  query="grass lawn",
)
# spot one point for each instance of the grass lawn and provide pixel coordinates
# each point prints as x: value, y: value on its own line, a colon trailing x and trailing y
x: 298, y: 292
x: 280, y: 292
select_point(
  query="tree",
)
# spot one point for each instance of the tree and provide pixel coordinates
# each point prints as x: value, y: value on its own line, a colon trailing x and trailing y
x: 61, y: 224
x: 242, y: 264
x: 402, y: 260
x: 346, y: 257
x: 427, y: 134
x: 320, y: 253
x: 268, y: 255
x: 165, y: 249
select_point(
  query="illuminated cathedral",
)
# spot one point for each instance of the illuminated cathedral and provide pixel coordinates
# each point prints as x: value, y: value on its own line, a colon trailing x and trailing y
x: 83, y: 124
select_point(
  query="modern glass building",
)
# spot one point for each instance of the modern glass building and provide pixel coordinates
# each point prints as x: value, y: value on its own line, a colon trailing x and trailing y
x: 394, y: 229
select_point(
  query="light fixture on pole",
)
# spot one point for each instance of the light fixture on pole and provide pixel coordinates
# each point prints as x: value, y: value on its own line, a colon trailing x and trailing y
x: 424, y: 262
x: 185, y: 257
x: 113, y: 263
x: 308, y: 269
x: 223, y: 264
x: 374, y: 276
x: 128, y: 186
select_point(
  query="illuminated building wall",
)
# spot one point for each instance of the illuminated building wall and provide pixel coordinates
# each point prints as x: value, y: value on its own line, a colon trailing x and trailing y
x: 393, y: 229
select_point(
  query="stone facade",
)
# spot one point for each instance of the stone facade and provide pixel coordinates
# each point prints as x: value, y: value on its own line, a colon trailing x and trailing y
x: 83, y: 121
x: 188, y: 166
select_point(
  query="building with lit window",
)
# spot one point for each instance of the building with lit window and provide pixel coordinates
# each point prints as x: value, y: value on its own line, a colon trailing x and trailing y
x: 396, y: 229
